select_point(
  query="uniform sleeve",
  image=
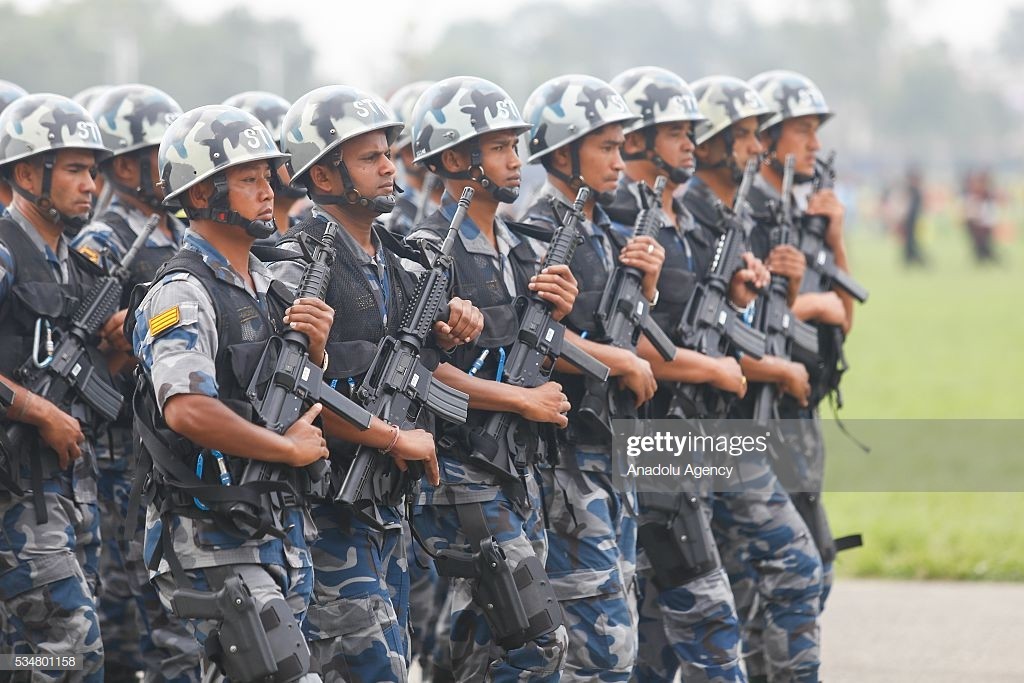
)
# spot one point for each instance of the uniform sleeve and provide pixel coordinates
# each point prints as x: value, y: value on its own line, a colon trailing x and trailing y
x: 6, y: 272
x: 175, y: 338
x: 98, y: 243
x: 288, y: 272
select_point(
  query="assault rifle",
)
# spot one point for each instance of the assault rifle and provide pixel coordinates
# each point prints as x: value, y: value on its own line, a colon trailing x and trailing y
x: 397, y: 387
x: 286, y: 382
x: 710, y: 325
x: 822, y: 271
x: 622, y: 314
x: 532, y: 356
x: 785, y: 335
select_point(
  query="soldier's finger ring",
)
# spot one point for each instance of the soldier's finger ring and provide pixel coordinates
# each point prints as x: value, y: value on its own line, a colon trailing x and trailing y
x: 650, y: 248
x: 743, y: 380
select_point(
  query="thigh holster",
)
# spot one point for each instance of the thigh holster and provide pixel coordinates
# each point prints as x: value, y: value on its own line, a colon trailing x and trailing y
x: 677, y: 540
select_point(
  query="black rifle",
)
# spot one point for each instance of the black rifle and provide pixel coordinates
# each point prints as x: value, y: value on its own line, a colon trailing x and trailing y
x: 8, y: 477
x: 70, y: 368
x: 822, y: 271
x: 785, y: 335
x: 622, y: 314
x: 532, y: 356
x: 397, y: 387
x: 286, y: 382
x: 709, y: 324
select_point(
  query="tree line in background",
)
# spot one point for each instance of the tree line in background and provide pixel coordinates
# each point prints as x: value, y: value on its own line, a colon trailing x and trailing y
x: 898, y: 102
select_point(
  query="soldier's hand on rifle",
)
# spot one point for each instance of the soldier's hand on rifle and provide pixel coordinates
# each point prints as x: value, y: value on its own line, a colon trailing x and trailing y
x: 822, y: 307
x: 313, y: 318
x: 646, y: 255
x: 796, y: 382
x: 465, y: 323
x: 639, y: 378
x: 547, y: 403
x: 729, y: 377
x: 789, y: 262
x: 826, y: 203
x: 112, y: 333
x: 308, y: 443
x: 556, y: 285
x: 747, y: 281
x: 60, y: 431
x: 417, y: 444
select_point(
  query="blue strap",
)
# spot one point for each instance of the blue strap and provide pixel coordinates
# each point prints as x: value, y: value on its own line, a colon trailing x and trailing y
x: 501, y: 364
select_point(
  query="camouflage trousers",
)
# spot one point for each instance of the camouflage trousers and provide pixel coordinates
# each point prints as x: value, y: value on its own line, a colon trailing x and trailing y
x: 138, y: 633
x: 353, y: 629
x: 691, y: 628
x: 767, y: 551
x: 48, y: 581
x: 264, y: 581
x: 592, y: 565
x: 519, y: 530
x: 427, y: 597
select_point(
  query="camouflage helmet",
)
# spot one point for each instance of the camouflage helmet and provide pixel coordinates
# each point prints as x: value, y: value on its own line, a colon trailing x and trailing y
x: 89, y: 95
x: 789, y: 95
x: 265, y: 106
x: 9, y: 92
x: 133, y: 117
x: 321, y: 120
x: 458, y: 109
x: 565, y: 109
x: 207, y: 140
x: 724, y: 100
x: 657, y: 95
x: 402, y: 103
x: 44, y: 122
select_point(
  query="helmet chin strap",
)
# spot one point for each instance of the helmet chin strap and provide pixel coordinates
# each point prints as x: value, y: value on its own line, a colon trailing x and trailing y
x: 677, y: 174
x: 219, y: 211
x: 475, y: 172
x: 72, y: 224
x: 575, y: 180
x: 144, y: 191
x: 379, y: 205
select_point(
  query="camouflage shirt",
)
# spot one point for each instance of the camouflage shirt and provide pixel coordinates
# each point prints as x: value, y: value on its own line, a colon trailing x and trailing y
x: 102, y: 244
x: 180, y: 360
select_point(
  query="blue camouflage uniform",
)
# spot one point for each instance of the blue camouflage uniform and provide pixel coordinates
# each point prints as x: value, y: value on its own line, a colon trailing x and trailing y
x: 49, y: 572
x: 180, y: 359
x: 508, y: 510
x: 691, y: 625
x: 138, y: 632
x: 591, y: 525
x: 357, y: 622
x: 766, y: 547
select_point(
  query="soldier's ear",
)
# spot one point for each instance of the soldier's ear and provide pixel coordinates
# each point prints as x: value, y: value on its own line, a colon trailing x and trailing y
x: 199, y: 194
x: 26, y: 175
x: 635, y: 143
x: 452, y: 161
x: 319, y: 178
x: 704, y: 151
x: 123, y: 167
x: 560, y: 160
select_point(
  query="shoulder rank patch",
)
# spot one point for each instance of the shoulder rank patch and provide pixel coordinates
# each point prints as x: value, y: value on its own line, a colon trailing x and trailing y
x: 90, y: 253
x: 165, y: 320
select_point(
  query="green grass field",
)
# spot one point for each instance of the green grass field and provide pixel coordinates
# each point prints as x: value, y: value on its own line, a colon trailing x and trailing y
x: 942, y: 342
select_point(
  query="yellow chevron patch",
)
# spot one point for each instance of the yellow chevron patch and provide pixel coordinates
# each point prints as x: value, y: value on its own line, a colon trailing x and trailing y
x: 163, y: 321
x: 91, y: 254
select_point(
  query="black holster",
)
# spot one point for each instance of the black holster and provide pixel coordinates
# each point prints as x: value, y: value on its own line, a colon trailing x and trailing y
x: 813, y: 513
x: 676, y: 539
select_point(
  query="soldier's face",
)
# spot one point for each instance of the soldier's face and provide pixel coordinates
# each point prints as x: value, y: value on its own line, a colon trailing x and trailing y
x: 601, y: 157
x: 674, y: 143
x: 73, y: 183
x: 500, y: 153
x: 368, y: 160
x: 249, y: 190
x: 746, y: 143
x: 128, y: 170
x: 407, y: 156
x: 799, y: 137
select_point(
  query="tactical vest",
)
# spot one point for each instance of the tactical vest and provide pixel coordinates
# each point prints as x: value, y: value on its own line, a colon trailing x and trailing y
x: 148, y: 260
x: 359, y: 325
x: 475, y: 279
x: 36, y: 294
x: 243, y: 329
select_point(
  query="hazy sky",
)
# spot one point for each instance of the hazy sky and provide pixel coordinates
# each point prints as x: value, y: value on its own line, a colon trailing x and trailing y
x: 348, y: 34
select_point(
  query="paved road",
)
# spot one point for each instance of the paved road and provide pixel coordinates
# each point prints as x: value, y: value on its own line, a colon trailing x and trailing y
x: 908, y: 631
x: 913, y: 631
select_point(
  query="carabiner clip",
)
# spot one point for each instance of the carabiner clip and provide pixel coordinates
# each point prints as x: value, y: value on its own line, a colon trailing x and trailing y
x: 40, y: 322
